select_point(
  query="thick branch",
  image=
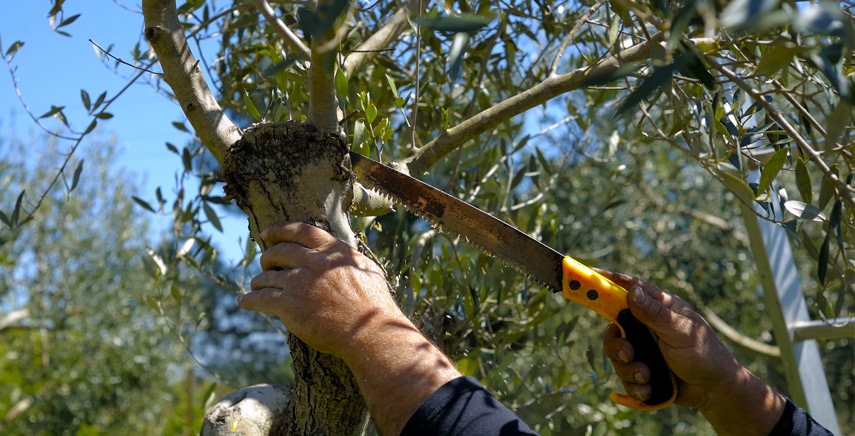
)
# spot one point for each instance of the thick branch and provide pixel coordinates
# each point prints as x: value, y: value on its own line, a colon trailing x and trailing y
x: 424, y: 157
x: 323, y: 105
x: 17, y: 409
x: 287, y: 35
x: 379, y: 40
x: 10, y: 319
x: 181, y: 71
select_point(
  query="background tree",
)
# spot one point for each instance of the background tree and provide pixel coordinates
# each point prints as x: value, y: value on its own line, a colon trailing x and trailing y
x: 636, y: 96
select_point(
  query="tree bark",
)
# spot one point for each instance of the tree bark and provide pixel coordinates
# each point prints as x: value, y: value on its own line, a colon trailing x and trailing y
x: 295, y: 172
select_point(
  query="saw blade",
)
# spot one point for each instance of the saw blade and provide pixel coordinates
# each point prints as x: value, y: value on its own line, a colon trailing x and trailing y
x: 447, y: 213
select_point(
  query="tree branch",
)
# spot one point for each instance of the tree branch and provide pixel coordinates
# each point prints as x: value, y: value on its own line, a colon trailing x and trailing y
x: 379, y: 40
x: 10, y: 319
x: 181, y: 71
x: 572, y: 35
x: 424, y: 157
x: 287, y: 35
x: 842, y: 188
x: 17, y: 409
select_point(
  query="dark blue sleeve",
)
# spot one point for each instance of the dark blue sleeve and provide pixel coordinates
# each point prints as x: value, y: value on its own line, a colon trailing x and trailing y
x: 797, y: 422
x: 464, y: 407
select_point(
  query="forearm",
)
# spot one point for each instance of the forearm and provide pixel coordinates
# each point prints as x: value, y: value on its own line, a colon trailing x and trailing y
x: 745, y: 406
x: 397, y: 369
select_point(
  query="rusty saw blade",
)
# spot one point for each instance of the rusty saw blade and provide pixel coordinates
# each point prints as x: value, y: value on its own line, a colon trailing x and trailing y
x: 496, y: 237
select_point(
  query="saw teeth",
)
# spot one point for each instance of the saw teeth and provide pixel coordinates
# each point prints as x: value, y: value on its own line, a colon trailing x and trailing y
x: 413, y: 209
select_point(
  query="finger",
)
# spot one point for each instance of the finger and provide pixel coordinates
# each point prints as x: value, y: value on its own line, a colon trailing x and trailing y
x: 272, y: 279
x: 638, y: 391
x: 284, y: 255
x: 261, y: 300
x: 620, y: 279
x: 616, y: 348
x: 646, y: 303
x: 633, y: 372
x: 298, y: 233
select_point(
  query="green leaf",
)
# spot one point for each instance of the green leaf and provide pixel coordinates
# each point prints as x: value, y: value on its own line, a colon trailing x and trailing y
x: 804, y: 211
x: 104, y: 116
x: 454, y: 23
x: 826, y: 188
x: 776, y: 59
x: 154, y: 304
x: 187, y: 160
x: 803, y: 181
x: 176, y: 293
x: 14, y: 48
x: 370, y: 113
x: 180, y: 126
x: 250, y: 106
x: 658, y: 78
x: 772, y: 168
x: 212, y: 217
x: 17, y: 211
x: 76, y: 177
x: 85, y: 97
x: 172, y: 148
x: 341, y: 85
x: 99, y: 100
x: 836, y: 124
x: 614, y: 29
x: 359, y: 137
x: 68, y: 20
x: 392, y: 86
x: 142, y: 203
x: 455, y: 55
x: 734, y: 182
x: 822, y: 262
x: 53, y: 111
x: 208, y: 397
x: 90, y: 127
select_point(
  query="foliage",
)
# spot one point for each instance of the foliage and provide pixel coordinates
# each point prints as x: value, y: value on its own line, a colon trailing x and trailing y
x: 755, y: 96
x: 89, y: 357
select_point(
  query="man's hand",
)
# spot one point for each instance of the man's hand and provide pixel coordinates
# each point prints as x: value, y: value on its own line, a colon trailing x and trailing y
x: 338, y: 301
x: 709, y: 377
x: 324, y: 291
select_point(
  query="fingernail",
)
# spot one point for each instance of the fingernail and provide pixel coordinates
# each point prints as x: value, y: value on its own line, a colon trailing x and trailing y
x: 622, y: 356
x: 640, y: 396
x: 638, y: 294
x: 637, y: 377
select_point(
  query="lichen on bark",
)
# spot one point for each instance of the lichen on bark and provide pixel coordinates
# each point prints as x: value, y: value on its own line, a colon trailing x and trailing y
x: 291, y: 171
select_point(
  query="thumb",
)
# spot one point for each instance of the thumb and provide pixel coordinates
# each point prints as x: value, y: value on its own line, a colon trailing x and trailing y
x: 261, y: 300
x: 647, y: 306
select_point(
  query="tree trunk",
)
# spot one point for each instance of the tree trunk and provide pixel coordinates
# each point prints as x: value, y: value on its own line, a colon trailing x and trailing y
x: 292, y: 171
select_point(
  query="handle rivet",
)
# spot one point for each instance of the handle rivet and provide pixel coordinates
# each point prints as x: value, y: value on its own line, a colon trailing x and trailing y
x: 575, y: 285
x: 593, y: 295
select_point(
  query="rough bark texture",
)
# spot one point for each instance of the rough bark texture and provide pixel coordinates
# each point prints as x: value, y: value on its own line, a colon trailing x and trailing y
x: 292, y: 171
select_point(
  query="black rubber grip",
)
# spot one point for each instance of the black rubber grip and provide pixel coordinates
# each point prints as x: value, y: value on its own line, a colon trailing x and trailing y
x: 648, y: 352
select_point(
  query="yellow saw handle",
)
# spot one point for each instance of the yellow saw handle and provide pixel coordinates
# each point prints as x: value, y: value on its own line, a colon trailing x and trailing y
x: 590, y: 289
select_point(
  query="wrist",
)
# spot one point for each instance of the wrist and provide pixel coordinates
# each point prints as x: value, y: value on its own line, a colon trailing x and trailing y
x: 744, y: 405
x: 389, y: 353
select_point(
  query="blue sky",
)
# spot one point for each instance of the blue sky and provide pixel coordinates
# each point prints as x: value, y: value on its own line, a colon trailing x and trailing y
x: 52, y: 69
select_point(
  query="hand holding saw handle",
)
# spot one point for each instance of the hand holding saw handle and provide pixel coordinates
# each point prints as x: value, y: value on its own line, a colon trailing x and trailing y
x: 596, y: 292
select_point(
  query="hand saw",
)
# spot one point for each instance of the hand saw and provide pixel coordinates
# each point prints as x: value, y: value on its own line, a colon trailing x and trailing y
x: 554, y: 270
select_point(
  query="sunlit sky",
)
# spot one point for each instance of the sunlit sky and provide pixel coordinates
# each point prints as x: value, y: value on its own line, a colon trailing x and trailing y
x: 51, y: 69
